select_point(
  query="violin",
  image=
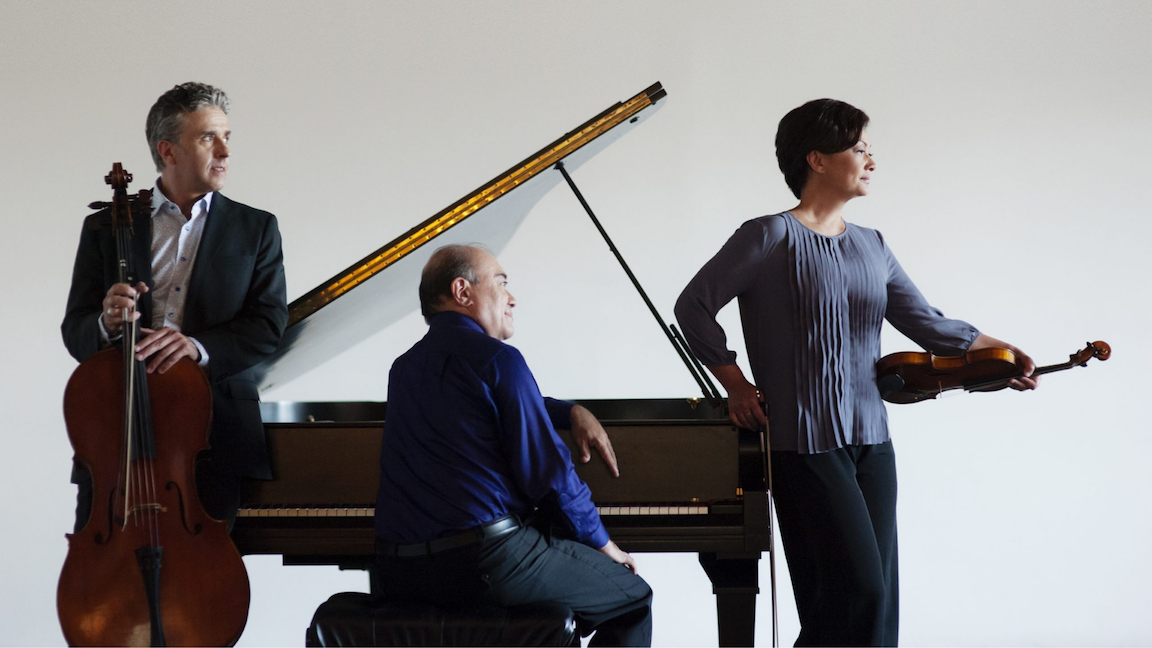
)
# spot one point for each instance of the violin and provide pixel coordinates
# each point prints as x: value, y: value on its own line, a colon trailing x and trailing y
x: 911, y: 377
x: 150, y: 567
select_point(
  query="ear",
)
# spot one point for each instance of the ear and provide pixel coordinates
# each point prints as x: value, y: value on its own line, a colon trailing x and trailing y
x: 164, y: 148
x: 815, y: 161
x: 461, y: 291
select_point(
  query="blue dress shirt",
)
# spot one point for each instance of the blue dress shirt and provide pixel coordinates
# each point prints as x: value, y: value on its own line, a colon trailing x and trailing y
x: 469, y: 439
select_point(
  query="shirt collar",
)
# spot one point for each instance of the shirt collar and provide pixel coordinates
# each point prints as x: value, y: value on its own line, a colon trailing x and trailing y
x: 453, y: 319
x: 161, y: 203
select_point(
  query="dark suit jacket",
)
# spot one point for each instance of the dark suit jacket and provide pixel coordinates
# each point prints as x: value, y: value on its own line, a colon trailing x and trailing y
x: 236, y: 307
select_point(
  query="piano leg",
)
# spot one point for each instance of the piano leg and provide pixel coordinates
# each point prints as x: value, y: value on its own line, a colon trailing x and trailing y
x: 735, y: 581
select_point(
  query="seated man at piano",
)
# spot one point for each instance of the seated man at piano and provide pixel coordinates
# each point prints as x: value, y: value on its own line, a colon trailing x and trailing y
x: 479, y: 502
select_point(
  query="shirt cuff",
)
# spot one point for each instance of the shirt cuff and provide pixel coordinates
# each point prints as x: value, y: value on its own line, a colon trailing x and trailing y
x: 203, y: 354
x: 972, y: 335
x: 105, y: 339
x: 560, y: 412
x: 599, y: 537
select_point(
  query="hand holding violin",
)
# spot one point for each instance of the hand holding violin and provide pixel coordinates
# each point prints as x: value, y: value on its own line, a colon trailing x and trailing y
x: 1023, y: 360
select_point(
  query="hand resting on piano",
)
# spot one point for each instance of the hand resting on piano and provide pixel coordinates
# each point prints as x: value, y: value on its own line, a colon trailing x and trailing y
x: 587, y: 433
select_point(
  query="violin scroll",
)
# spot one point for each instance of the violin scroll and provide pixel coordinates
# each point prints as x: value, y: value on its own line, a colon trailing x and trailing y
x: 1098, y: 349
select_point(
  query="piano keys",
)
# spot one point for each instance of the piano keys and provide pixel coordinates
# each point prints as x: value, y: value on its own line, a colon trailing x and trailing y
x: 689, y: 482
x: 306, y: 511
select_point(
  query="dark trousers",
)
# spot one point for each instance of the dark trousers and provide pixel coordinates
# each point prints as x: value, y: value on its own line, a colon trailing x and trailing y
x: 219, y: 492
x: 837, y: 513
x: 526, y: 566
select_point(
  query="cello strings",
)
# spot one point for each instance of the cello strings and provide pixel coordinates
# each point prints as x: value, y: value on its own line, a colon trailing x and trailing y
x: 129, y: 412
x: 139, y: 394
x: 148, y: 435
x: 139, y: 488
x: 145, y: 454
x: 146, y: 451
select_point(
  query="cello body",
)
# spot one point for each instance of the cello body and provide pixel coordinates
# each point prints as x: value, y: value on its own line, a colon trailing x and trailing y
x: 200, y: 587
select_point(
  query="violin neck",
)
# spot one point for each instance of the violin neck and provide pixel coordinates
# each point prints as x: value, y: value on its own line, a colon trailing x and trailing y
x: 1002, y: 382
x: 1040, y: 371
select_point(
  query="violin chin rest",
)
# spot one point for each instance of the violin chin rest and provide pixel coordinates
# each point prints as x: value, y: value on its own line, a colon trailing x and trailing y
x: 889, y: 385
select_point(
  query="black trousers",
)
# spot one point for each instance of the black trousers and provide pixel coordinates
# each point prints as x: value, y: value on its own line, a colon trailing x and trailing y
x: 837, y: 513
x: 526, y: 566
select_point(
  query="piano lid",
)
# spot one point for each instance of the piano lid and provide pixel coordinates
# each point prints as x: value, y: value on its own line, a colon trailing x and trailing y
x: 363, y: 299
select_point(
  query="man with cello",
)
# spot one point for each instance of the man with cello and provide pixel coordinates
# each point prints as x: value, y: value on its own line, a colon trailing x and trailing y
x: 214, y: 291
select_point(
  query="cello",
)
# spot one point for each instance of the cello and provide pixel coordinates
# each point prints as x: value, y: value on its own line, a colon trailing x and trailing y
x: 150, y: 567
x: 912, y: 377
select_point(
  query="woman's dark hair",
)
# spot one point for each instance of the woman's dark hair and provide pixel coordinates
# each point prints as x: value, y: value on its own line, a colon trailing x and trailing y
x: 823, y: 125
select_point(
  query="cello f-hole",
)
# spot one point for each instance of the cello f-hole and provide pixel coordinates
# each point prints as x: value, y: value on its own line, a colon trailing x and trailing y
x: 191, y: 528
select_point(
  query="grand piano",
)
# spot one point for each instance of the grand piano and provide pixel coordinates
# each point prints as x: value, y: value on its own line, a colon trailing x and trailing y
x: 691, y: 481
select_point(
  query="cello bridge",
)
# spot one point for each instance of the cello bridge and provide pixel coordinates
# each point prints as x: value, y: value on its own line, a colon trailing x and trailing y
x: 151, y: 506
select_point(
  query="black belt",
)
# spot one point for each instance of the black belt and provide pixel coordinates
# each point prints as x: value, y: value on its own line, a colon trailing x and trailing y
x: 492, y: 529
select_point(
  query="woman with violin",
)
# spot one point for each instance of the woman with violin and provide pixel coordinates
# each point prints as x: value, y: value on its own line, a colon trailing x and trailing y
x: 814, y: 291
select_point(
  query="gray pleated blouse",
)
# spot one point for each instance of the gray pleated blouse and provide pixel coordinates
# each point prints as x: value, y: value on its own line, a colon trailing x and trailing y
x: 811, y: 307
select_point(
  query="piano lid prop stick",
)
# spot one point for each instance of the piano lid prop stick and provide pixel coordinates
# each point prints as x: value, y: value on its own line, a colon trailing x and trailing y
x: 711, y: 394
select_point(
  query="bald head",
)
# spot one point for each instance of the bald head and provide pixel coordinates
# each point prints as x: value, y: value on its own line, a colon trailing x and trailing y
x: 467, y: 279
x: 444, y: 266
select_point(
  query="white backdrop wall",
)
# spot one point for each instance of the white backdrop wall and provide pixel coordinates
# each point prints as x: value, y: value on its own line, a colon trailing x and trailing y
x: 1014, y: 150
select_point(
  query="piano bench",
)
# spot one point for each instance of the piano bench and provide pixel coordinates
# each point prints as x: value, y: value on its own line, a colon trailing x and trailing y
x: 356, y: 619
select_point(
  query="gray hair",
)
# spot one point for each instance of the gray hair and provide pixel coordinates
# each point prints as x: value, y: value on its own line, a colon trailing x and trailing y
x: 443, y: 267
x: 166, y: 118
